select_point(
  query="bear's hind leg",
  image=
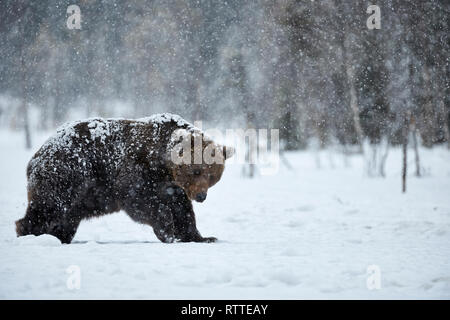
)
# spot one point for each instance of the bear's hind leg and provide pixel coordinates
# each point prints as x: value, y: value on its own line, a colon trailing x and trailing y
x: 34, y: 222
x: 64, y: 229
x: 38, y: 221
x: 64, y: 225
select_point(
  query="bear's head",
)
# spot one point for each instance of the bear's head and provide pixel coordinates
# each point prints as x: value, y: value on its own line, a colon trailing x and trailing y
x: 197, y: 163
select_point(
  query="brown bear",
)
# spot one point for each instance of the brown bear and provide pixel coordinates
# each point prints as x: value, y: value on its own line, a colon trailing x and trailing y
x: 99, y: 166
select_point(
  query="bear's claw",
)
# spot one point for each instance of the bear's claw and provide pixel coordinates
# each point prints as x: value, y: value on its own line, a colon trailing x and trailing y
x: 209, y: 239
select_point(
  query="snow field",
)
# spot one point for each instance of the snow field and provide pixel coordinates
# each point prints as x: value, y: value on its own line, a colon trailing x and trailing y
x: 307, y: 233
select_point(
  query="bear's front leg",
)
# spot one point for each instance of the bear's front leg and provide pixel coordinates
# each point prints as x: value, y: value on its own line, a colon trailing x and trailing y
x: 163, y: 227
x: 159, y: 218
x: 168, y: 211
x: 185, y: 229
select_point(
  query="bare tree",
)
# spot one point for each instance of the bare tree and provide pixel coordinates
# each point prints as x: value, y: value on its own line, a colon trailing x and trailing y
x: 415, y: 146
x: 405, y: 134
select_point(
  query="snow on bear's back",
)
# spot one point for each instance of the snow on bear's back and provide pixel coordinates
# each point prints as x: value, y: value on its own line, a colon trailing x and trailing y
x: 99, y: 130
x: 162, y: 118
x: 70, y: 139
x: 76, y: 139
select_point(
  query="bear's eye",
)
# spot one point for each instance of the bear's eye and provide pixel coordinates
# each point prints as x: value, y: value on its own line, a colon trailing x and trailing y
x: 197, y: 172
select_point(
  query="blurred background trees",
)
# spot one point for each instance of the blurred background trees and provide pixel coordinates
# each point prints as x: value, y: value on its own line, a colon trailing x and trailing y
x: 310, y: 68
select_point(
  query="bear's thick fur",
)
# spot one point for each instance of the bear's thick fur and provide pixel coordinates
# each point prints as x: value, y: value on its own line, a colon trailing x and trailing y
x: 98, y: 166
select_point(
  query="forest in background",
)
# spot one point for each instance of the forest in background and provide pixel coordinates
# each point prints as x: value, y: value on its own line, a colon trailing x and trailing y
x: 310, y: 68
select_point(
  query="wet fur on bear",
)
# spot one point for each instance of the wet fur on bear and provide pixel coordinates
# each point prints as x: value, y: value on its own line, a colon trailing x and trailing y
x: 95, y: 167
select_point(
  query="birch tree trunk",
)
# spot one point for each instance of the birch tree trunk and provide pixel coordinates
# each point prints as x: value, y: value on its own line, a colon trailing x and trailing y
x: 24, y: 107
x: 405, y: 133
x: 353, y: 97
x: 427, y: 123
x: 416, y: 149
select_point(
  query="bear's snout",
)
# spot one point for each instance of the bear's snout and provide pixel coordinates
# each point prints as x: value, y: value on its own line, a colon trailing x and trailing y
x: 200, y: 197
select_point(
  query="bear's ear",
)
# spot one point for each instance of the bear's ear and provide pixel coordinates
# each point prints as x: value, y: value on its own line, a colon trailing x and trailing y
x: 228, y: 152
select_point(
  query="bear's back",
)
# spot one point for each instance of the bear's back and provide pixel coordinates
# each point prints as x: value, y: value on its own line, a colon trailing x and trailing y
x: 81, y: 147
x: 75, y: 151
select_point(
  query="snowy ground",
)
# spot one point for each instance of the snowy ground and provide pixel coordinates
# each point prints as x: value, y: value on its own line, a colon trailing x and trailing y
x: 308, y: 233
